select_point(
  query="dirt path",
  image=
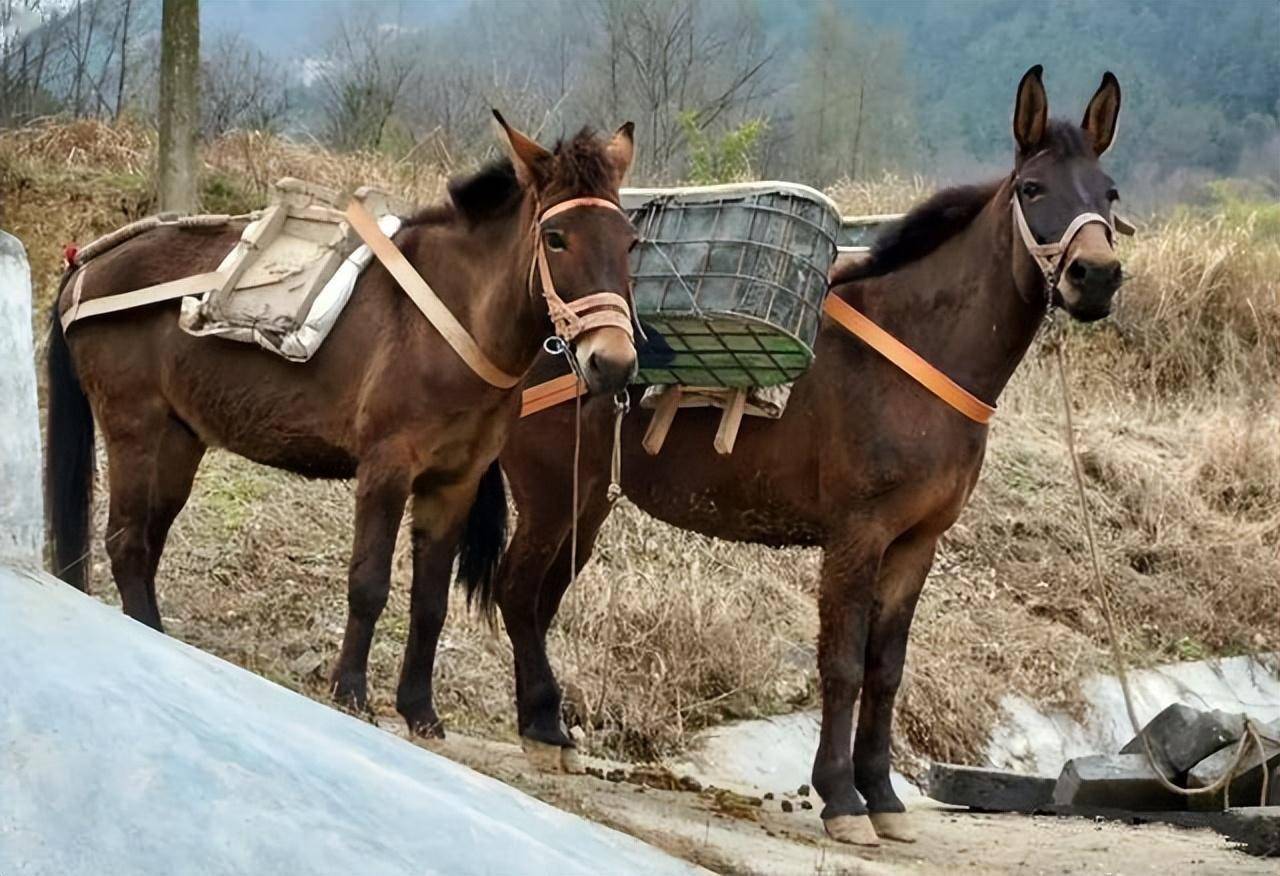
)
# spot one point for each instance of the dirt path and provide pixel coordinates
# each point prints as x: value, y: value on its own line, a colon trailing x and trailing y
x: 725, y: 830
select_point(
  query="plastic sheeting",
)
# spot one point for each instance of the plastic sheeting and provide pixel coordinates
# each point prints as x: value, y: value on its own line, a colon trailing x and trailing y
x: 125, y: 751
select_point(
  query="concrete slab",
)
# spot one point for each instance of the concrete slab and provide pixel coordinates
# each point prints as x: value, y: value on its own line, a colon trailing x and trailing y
x: 125, y: 751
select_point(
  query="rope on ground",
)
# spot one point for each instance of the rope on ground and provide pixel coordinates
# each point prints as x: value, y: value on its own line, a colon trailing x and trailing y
x: 1252, y: 733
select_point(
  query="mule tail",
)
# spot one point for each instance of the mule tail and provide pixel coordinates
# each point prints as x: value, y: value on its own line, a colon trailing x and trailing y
x: 68, y: 460
x: 483, y: 542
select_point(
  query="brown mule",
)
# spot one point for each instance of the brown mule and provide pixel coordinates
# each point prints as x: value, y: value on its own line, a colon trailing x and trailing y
x: 865, y: 462
x: 385, y: 400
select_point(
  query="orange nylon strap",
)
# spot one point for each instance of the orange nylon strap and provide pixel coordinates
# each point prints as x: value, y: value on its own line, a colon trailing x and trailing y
x: 425, y: 298
x: 549, y: 394
x: 908, y: 360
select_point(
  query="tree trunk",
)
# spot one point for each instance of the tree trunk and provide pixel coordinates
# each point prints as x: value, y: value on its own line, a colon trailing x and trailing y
x: 179, y: 104
x: 124, y: 58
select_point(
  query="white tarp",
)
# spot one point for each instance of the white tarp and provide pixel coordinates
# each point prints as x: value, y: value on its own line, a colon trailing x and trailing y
x: 124, y: 751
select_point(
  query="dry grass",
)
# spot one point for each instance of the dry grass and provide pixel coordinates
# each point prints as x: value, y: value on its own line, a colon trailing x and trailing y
x: 887, y: 194
x: 668, y: 632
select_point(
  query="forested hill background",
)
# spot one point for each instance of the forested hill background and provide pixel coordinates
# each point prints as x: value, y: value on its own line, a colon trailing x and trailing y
x: 814, y: 91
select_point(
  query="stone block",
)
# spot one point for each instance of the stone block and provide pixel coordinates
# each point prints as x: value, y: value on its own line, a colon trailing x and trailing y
x: 1181, y: 737
x: 1113, y: 781
x: 1246, y: 787
x: 989, y: 790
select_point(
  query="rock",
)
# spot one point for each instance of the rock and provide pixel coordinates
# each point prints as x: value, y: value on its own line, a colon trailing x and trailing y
x: 989, y: 790
x: 1246, y: 787
x: 1181, y: 737
x: 1257, y: 828
x: 803, y: 791
x: 805, y: 804
x: 689, y: 783
x: 1113, y: 781
x: 786, y: 806
x: 308, y: 664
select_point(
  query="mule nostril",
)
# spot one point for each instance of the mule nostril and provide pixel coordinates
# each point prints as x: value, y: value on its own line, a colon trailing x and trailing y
x: 1077, y: 272
x: 613, y: 372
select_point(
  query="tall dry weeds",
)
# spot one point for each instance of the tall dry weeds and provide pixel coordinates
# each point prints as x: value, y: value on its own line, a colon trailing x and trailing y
x: 666, y: 631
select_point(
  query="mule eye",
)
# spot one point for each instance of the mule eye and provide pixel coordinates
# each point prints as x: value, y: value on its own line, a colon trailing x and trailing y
x: 1032, y: 190
x: 634, y: 243
x: 555, y: 241
x: 1113, y: 195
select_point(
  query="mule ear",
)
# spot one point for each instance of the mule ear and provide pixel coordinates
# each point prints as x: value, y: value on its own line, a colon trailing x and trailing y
x: 1030, y: 111
x: 531, y: 161
x: 622, y: 150
x: 1102, y: 114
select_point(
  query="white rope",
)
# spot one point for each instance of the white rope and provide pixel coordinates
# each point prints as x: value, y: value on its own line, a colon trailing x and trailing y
x: 1251, y: 730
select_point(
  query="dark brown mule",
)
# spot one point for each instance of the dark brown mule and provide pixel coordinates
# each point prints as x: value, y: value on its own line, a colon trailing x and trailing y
x: 385, y: 400
x: 865, y: 462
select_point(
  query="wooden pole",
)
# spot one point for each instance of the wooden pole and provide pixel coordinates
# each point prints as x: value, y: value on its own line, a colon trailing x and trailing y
x: 179, y: 105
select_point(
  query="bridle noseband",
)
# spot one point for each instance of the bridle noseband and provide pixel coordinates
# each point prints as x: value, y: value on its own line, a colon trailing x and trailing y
x: 1050, y: 256
x: 590, y: 312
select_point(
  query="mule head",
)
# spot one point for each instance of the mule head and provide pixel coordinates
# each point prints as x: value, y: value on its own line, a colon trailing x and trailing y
x: 1057, y: 182
x: 582, y: 247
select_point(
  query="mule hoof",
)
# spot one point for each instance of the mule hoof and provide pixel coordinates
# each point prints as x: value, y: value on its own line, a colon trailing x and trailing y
x: 571, y: 763
x: 894, y: 826
x: 544, y: 757
x: 855, y: 829
x: 350, y: 692
x: 426, y: 728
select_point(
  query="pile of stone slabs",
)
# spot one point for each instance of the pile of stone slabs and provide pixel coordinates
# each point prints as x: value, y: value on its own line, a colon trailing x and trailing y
x: 1191, y: 747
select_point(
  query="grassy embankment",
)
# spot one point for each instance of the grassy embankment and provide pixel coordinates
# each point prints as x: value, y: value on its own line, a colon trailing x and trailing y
x: 1178, y: 421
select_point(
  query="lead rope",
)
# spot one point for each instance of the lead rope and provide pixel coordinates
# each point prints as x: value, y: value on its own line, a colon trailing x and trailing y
x: 621, y: 406
x: 1251, y: 731
x: 555, y: 346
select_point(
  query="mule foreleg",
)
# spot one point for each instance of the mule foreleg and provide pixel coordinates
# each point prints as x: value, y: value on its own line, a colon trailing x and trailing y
x: 381, y: 492
x: 903, y: 571
x: 438, y: 515
x: 849, y: 570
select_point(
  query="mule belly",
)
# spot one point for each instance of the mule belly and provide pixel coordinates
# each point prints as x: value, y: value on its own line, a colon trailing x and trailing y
x: 289, y: 437
x: 756, y: 494
x: 259, y: 406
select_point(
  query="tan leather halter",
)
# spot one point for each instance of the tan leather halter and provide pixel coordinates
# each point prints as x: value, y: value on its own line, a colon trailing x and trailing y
x: 1050, y: 257
x: 590, y: 312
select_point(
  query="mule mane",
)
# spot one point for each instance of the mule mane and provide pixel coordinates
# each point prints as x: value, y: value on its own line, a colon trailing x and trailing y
x: 948, y: 212
x: 925, y: 228
x: 579, y: 165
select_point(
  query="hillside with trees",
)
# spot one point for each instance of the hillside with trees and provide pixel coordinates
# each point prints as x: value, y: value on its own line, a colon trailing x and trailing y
x: 815, y: 91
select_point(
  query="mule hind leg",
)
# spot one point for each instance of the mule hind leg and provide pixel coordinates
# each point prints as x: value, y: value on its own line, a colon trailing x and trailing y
x: 151, y: 465
x: 383, y: 482
x: 903, y: 571
x: 438, y: 517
